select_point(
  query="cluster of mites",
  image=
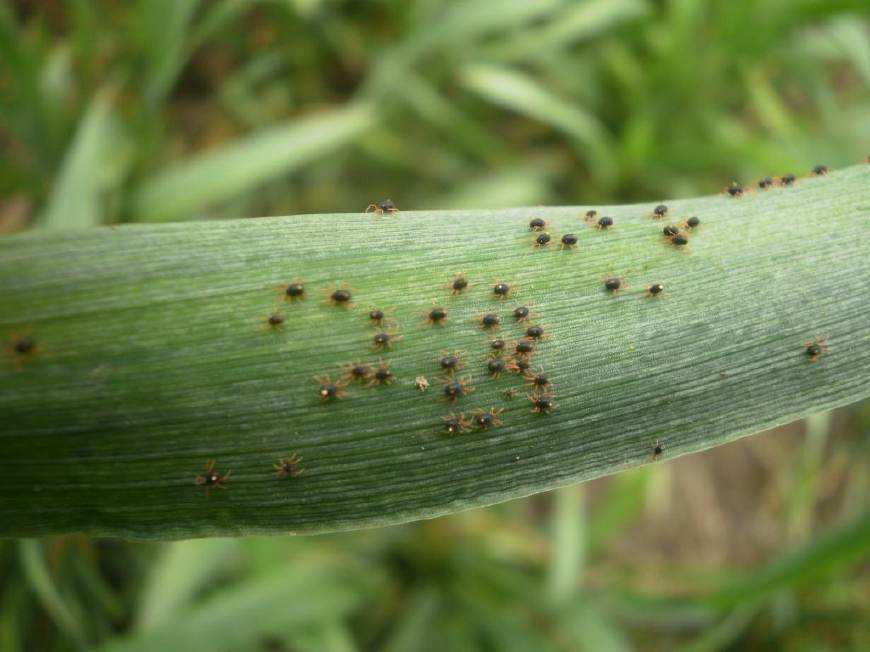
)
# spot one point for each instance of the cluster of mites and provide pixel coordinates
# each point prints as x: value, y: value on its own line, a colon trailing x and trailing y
x: 519, y: 361
x: 515, y: 358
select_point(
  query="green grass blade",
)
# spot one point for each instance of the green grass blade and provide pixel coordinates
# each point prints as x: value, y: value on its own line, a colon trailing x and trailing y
x: 39, y: 578
x: 153, y: 357
x: 518, y: 92
x: 185, y: 568
x: 304, y: 592
x: 185, y: 189
x: 76, y: 200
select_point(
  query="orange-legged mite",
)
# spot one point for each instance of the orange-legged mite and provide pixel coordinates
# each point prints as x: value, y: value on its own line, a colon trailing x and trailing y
x: 293, y: 291
x: 382, y: 375
x: 385, y: 339
x: 542, y: 403
x: 340, y: 295
x: 288, y: 467
x: 212, y: 478
x: 451, y: 361
x: 486, y: 419
x: 329, y: 390
x: 456, y: 388
x: 815, y: 348
x: 356, y: 371
x: 456, y: 424
x: 458, y: 284
x: 381, y: 207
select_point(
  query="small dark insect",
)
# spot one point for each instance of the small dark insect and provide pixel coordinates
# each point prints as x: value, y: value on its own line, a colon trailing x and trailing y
x: 381, y: 207
x: 509, y: 393
x: 541, y: 403
x: 455, y: 389
x: 455, y: 423
x: 357, y: 371
x: 604, y: 223
x: 382, y: 374
x: 735, y: 189
x: 679, y: 240
x: 485, y: 420
x: 692, y: 222
x: 765, y: 183
x: 820, y: 170
x: 535, y: 332
x: 437, y: 315
x: 490, y: 320
x: 542, y: 240
x: 458, y: 284
x: 521, y: 312
x: 341, y: 296
x: 495, y: 366
x: 450, y: 362
x: 591, y: 215
x: 329, y: 390
x: 658, y: 449
x: 519, y: 365
x: 612, y: 284
x: 385, y: 339
x: 655, y: 289
x: 288, y: 467
x: 377, y: 316
x: 497, y: 345
x: 568, y: 240
x: 815, y: 348
x: 538, y: 380
x: 670, y: 230
x: 24, y: 345
x: 212, y: 478
x: 524, y: 347
x: 275, y: 320
x: 787, y: 179
x: 501, y: 290
x: 295, y: 291
x: 537, y: 224
x: 660, y: 211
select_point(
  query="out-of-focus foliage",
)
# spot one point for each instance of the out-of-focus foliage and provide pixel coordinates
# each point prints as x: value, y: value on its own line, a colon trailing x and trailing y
x: 179, y: 109
x: 176, y: 109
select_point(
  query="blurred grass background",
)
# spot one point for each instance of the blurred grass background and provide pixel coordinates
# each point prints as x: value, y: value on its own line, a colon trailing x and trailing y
x: 118, y: 111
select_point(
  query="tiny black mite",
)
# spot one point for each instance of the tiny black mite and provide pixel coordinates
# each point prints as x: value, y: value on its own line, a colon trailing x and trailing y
x: 521, y: 312
x: 542, y: 240
x: 692, y: 222
x: 490, y: 320
x: 660, y: 211
x: 670, y: 230
x: 535, y: 332
x: 605, y: 222
x: 765, y: 183
x: 612, y: 284
x: 537, y: 224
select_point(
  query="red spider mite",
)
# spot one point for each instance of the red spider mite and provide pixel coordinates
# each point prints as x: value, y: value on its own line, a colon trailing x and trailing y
x: 591, y: 216
x: 537, y: 224
x: 288, y: 467
x: 357, y: 371
x: 569, y: 241
x: 436, y: 315
x: 385, y: 339
x: 815, y: 348
x: 614, y: 284
x: 212, y: 478
x: 21, y: 347
x: 735, y: 189
x: 329, y: 390
x: 379, y: 316
x: 494, y: 367
x: 458, y: 284
x: 502, y: 290
x: 655, y: 290
x: 658, y: 449
x: 275, y: 320
x: 381, y: 207
x: 294, y: 291
x: 542, y: 403
x: 382, y: 375
x: 456, y: 388
x: 539, y: 381
x: 340, y: 295
x: 486, y: 419
x: 456, y: 424
x: 451, y: 361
